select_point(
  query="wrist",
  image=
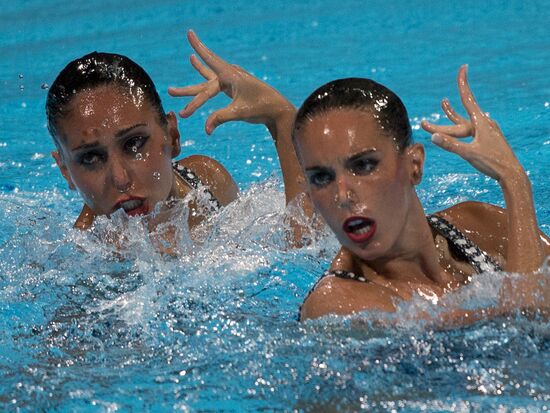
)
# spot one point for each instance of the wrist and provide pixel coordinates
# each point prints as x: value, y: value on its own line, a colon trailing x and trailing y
x: 282, y: 119
x: 515, y: 180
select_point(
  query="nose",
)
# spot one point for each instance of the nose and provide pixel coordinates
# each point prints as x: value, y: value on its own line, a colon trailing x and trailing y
x: 345, y: 195
x: 120, y: 175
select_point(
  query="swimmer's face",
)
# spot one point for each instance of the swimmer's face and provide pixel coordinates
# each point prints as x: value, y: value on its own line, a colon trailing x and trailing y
x: 358, y: 180
x: 116, y: 152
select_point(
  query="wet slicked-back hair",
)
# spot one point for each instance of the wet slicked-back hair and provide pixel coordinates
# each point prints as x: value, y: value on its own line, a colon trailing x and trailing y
x: 94, y: 70
x: 362, y: 94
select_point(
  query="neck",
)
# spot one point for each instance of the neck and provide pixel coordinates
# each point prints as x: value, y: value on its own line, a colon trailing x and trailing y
x: 164, y: 212
x: 414, y: 256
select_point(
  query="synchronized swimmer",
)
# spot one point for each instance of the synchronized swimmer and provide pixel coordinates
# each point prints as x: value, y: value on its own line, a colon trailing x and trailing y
x: 115, y: 143
x: 348, y: 148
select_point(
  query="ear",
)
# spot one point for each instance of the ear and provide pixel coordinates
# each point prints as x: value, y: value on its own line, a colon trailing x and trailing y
x: 64, y: 171
x: 416, y: 155
x: 173, y: 133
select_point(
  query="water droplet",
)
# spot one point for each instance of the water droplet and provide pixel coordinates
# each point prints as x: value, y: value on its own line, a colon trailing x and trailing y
x: 21, y: 87
x: 44, y: 86
x: 139, y: 156
x: 134, y: 149
x: 21, y: 76
x: 156, y: 175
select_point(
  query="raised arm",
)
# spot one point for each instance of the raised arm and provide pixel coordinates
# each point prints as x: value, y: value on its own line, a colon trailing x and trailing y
x: 253, y: 101
x: 490, y: 154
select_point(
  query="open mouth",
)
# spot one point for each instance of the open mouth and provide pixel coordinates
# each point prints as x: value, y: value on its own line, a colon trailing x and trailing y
x: 134, y: 206
x: 359, y: 229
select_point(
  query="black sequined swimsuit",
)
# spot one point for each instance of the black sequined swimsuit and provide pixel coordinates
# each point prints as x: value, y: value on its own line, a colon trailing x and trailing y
x: 194, y: 182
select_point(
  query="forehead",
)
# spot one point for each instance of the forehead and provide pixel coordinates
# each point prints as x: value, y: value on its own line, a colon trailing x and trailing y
x: 102, y: 111
x: 338, y: 134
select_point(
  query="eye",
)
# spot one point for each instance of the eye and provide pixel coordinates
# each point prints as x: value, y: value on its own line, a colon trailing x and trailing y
x: 363, y: 166
x: 90, y: 159
x: 320, y: 178
x: 134, y: 144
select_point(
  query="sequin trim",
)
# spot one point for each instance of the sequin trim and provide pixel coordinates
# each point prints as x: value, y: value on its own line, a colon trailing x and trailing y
x: 194, y: 182
x: 478, y: 258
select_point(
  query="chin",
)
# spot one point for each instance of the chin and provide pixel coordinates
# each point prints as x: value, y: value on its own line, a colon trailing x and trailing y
x: 368, y: 252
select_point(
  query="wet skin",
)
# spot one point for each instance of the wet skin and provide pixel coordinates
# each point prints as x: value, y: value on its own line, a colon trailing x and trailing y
x: 354, y: 170
x: 114, y: 149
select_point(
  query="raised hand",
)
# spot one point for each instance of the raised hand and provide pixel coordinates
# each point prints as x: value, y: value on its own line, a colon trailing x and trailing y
x: 252, y: 100
x: 488, y: 152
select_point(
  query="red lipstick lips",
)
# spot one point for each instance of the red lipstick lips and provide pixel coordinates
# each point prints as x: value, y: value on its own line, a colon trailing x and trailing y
x: 359, y: 229
x: 133, y: 206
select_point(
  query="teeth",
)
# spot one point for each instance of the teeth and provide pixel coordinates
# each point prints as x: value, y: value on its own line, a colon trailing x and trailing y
x: 131, y: 204
x: 355, y: 222
x: 358, y: 226
x: 362, y: 231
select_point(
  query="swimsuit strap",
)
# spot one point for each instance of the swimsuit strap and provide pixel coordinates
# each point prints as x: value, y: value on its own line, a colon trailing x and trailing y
x: 478, y: 258
x: 194, y: 182
x: 347, y: 275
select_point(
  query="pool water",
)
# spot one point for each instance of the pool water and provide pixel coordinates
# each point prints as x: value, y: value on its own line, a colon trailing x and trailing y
x: 88, y: 328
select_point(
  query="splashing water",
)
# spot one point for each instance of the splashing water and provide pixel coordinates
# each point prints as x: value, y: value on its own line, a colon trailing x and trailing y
x: 91, y: 320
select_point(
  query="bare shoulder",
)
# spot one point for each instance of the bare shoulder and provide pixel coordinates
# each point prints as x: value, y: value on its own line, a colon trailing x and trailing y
x: 476, y: 216
x: 338, y: 296
x: 214, y: 175
x: 485, y: 224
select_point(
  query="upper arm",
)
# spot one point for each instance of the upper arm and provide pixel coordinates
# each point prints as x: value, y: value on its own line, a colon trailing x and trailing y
x: 214, y: 175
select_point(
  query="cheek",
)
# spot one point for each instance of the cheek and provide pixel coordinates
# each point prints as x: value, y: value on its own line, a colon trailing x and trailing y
x: 86, y: 182
x: 318, y: 198
x: 324, y: 203
x: 91, y: 188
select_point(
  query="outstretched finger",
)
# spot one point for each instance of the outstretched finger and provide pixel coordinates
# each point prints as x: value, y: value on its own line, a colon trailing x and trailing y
x: 192, y: 90
x: 219, y: 117
x: 462, y: 130
x: 210, y: 91
x: 216, y: 63
x: 451, y: 144
x: 467, y: 97
x: 205, y: 71
x: 451, y: 113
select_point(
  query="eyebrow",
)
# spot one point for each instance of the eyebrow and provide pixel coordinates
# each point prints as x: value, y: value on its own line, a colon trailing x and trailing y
x: 119, y: 133
x: 359, y: 155
x: 86, y: 146
x: 316, y: 168
x: 124, y: 131
x: 351, y: 159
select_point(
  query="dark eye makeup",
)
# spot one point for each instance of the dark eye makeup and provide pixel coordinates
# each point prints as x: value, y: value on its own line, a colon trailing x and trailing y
x: 363, y: 165
x: 134, y: 143
x: 91, y: 158
x: 320, y: 177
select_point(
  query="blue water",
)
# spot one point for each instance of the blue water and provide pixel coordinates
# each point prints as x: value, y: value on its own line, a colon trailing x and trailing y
x: 86, y: 328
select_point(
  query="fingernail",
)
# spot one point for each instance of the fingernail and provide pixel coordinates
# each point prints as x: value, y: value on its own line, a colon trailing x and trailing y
x: 437, y: 138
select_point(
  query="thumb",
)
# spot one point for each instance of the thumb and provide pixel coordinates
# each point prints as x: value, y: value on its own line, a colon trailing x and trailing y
x: 450, y: 144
